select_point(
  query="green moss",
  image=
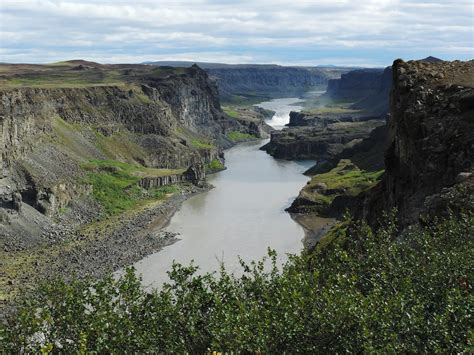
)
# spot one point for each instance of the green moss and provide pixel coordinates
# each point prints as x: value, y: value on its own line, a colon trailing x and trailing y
x: 215, y: 165
x: 202, y: 144
x: 236, y: 136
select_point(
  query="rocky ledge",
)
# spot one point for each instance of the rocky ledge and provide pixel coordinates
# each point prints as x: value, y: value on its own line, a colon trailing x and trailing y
x: 320, y: 138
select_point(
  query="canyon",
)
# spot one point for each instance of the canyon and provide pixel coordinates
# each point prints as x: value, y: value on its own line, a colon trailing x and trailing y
x: 87, y: 154
x: 249, y: 83
x: 97, y: 158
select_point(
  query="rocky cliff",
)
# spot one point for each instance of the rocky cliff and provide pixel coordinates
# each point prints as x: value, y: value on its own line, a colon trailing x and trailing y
x: 95, y: 159
x: 319, y: 137
x: 271, y: 81
x: 429, y: 154
x: 258, y: 82
x: 369, y: 89
x: 165, y: 121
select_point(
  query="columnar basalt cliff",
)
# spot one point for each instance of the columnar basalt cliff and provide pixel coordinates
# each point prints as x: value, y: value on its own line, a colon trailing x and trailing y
x: 158, y: 122
x: 271, y: 80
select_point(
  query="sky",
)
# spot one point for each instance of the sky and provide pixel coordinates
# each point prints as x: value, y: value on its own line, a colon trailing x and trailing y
x: 286, y: 32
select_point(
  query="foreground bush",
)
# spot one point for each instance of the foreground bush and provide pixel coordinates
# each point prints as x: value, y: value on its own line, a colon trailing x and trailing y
x: 364, y: 292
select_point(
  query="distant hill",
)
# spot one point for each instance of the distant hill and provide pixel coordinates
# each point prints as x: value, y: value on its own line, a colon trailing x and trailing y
x: 431, y: 59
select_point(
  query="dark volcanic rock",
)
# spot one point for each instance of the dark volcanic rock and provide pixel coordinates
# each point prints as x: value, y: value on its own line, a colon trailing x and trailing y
x: 355, y: 85
x: 369, y: 89
x: 320, y: 141
x: 430, y: 140
x: 368, y: 154
x: 269, y: 80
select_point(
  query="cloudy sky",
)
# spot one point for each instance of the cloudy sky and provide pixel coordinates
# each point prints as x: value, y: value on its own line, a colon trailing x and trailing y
x: 296, y: 32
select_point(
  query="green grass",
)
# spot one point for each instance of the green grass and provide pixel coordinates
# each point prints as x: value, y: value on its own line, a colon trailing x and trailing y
x: 66, y: 79
x: 202, y: 144
x: 215, y: 165
x: 131, y: 169
x: 62, y: 75
x: 236, y: 136
x: 345, y: 179
x: 231, y: 112
x: 163, y: 191
x: 109, y: 190
x: 115, y: 184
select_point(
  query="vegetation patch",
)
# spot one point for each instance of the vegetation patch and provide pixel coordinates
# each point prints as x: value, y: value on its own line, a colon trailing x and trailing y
x: 231, y: 112
x: 362, y: 293
x: 346, y: 179
x: 115, y: 184
x: 236, y: 136
x: 202, y: 144
x: 215, y: 165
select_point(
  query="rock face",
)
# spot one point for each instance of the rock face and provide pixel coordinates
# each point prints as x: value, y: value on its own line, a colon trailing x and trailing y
x: 430, y: 140
x: 264, y: 81
x: 355, y: 85
x: 170, y: 120
x: 369, y: 89
x: 252, y: 120
x: 319, y: 138
x: 274, y: 81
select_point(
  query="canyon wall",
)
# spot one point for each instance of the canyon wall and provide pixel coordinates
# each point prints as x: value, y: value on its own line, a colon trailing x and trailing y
x: 429, y: 154
x: 369, y: 89
x: 258, y: 82
x: 48, y: 134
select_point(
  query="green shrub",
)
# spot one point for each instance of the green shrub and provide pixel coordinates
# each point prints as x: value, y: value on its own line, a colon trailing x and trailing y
x: 364, y: 292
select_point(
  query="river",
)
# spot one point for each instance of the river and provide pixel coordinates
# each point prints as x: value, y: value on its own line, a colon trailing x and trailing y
x: 242, y: 216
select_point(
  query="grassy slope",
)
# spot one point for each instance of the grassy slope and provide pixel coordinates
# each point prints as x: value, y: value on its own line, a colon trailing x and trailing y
x: 115, y: 183
x: 345, y: 179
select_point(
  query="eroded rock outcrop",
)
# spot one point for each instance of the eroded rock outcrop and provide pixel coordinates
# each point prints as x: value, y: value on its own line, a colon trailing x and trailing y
x: 322, y: 139
x: 430, y: 142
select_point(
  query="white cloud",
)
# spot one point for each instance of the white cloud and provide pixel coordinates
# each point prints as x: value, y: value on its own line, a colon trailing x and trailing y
x: 371, y: 31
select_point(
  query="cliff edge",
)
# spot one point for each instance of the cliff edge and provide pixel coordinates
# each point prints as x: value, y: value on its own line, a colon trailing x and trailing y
x: 430, y: 142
